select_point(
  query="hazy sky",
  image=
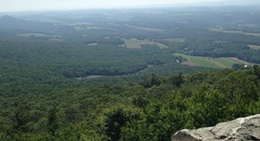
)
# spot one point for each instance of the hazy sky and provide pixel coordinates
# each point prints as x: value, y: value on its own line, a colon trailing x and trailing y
x: 39, y: 5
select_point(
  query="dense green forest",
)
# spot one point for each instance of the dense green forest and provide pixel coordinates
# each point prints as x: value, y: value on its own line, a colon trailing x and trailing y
x: 114, y: 74
x: 152, y: 109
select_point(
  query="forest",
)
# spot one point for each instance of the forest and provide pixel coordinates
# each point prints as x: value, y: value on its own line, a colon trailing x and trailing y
x: 124, y: 75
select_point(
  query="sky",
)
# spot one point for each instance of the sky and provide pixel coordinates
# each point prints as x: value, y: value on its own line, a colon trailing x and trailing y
x: 41, y: 5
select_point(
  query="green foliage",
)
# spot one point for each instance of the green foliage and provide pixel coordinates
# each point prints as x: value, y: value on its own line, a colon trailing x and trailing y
x: 80, y: 85
x: 177, y: 80
x: 140, y: 102
x: 208, y: 103
x: 154, y: 80
x: 140, y: 113
x: 114, y: 122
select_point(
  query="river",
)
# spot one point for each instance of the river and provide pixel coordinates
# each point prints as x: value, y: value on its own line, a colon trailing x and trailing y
x: 98, y: 76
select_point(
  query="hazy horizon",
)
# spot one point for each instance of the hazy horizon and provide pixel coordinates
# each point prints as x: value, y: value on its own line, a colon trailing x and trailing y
x: 45, y: 5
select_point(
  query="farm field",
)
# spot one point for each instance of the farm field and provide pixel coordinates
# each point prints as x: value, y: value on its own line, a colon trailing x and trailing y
x: 209, y: 62
x: 145, y: 28
x: 233, y: 32
x: 137, y: 44
x: 175, y: 40
x: 38, y: 35
x: 254, y: 47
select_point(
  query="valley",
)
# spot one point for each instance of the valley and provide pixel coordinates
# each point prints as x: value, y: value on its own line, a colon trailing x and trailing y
x: 126, y: 74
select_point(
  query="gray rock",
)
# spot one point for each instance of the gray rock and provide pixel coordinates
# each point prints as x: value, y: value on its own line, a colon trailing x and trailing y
x: 241, y: 129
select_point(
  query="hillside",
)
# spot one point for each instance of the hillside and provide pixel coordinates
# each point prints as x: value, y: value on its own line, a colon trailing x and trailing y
x: 156, y: 105
x: 10, y: 24
x: 133, y: 74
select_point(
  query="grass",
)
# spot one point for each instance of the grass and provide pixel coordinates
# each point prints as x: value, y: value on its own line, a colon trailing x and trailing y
x: 83, y: 26
x: 209, y: 62
x: 33, y: 34
x: 38, y: 35
x: 254, y: 47
x: 145, y: 28
x: 86, y: 27
x: 137, y: 44
x: 93, y: 44
x: 233, y: 32
x: 175, y: 40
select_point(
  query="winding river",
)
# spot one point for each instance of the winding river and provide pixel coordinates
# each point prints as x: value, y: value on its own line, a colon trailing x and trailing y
x: 98, y: 76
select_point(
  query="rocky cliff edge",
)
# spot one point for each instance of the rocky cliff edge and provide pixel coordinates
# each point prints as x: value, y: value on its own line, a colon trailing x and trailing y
x: 241, y: 129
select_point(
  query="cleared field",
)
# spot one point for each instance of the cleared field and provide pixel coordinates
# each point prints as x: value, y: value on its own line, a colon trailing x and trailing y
x: 208, y: 62
x: 145, y: 28
x: 38, y: 35
x: 83, y: 26
x: 41, y: 35
x: 175, y: 40
x: 254, y: 47
x: 233, y: 32
x: 93, y: 44
x: 135, y: 43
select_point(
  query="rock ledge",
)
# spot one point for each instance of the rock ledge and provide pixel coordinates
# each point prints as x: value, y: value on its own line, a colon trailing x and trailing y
x: 241, y: 129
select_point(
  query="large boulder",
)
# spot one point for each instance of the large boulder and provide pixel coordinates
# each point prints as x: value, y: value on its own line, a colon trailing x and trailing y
x: 241, y: 129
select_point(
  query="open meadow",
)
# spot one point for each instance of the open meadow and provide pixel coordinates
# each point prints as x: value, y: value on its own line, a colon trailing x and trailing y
x: 209, y: 62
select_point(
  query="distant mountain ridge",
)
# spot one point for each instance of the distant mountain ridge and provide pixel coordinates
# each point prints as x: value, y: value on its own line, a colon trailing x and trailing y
x: 9, y: 23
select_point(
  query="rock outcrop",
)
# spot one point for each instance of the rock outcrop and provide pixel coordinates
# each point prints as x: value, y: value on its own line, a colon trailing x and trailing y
x: 241, y: 129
